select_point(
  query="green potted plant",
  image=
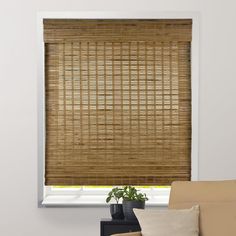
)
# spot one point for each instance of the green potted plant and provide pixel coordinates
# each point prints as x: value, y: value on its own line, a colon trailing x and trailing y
x: 132, y: 198
x: 116, y: 209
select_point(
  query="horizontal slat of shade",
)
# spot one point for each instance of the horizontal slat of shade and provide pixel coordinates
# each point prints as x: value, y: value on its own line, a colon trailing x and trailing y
x: 118, y: 113
x: 117, y: 30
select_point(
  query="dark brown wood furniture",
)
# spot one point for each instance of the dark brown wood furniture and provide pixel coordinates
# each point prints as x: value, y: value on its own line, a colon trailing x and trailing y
x: 109, y: 226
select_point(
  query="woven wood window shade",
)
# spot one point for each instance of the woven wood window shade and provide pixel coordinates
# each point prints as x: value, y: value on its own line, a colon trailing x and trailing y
x: 118, y: 102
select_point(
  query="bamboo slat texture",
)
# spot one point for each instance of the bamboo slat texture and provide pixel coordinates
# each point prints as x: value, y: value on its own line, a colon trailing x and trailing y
x: 118, y: 102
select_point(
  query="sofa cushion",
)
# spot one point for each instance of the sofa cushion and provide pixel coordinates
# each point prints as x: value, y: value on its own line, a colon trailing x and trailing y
x: 128, y: 234
x: 217, y: 201
x: 169, y: 222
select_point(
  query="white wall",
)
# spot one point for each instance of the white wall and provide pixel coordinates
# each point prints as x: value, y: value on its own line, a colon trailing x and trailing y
x: 19, y: 214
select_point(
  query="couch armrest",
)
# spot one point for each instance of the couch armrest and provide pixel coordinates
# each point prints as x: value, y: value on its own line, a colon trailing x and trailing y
x: 128, y: 234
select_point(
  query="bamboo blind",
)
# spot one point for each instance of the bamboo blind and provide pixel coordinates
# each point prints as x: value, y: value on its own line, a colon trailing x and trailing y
x: 118, y: 102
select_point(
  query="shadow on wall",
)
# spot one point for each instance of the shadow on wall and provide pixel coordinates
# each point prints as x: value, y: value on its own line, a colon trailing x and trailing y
x: 67, y: 221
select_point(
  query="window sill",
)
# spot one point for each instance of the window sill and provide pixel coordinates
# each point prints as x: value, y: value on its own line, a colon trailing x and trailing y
x: 93, y: 201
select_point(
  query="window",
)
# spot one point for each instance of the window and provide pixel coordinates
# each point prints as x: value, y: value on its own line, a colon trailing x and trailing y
x: 118, y: 104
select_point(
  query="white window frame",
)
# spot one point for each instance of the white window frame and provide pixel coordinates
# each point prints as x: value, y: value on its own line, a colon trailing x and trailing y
x: 51, y: 197
x: 86, y: 196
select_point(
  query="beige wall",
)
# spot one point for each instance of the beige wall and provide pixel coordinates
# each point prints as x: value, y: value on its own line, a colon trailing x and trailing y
x: 18, y: 118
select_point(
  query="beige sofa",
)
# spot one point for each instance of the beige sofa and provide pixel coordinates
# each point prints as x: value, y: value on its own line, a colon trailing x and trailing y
x: 217, y: 200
